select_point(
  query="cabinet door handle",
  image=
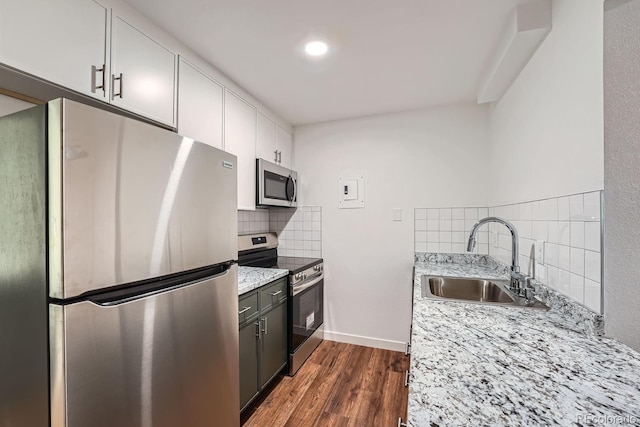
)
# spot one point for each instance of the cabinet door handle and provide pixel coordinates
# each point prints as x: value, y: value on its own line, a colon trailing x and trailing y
x: 244, y: 310
x: 95, y: 70
x: 264, y: 331
x: 113, y: 86
x: 406, y: 378
x: 401, y: 424
x: 275, y: 159
x: 275, y: 294
x: 279, y: 157
x: 408, y: 349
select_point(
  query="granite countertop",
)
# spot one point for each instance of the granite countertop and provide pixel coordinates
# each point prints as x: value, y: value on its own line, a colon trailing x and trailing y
x: 250, y: 278
x: 474, y: 364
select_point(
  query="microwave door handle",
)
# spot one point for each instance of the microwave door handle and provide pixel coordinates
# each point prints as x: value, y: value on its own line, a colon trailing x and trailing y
x: 295, y: 189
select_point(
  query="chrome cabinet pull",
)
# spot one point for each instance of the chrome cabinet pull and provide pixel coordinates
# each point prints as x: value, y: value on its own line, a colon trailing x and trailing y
x: 275, y: 294
x: 406, y: 378
x: 94, y: 71
x: 244, y: 310
x: 275, y: 159
x: 401, y: 424
x: 279, y: 157
x: 113, y: 86
x: 264, y: 331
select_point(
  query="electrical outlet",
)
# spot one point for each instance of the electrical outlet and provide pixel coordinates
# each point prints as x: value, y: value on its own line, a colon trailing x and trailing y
x: 540, y: 251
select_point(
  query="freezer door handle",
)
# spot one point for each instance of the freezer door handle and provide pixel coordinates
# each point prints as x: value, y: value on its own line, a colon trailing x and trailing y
x: 152, y: 287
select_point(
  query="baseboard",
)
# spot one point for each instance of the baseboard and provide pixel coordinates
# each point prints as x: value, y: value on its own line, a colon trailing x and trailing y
x: 365, y: 341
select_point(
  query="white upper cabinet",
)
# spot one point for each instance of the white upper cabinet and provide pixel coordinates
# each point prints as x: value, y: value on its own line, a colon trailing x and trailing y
x: 143, y: 73
x: 200, y: 105
x: 284, y: 144
x: 59, y: 41
x: 240, y: 139
x: 266, y: 142
x: 274, y: 143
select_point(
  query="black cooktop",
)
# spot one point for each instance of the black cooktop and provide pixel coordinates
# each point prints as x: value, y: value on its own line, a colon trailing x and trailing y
x: 295, y: 264
x: 269, y: 259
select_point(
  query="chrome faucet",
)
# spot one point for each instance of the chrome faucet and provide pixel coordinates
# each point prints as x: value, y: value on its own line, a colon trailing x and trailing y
x: 517, y: 278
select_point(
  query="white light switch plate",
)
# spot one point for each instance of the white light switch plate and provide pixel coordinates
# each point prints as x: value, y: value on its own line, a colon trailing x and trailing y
x: 540, y: 251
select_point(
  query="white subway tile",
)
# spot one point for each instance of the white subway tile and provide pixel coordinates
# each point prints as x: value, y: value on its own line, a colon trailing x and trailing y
x: 316, y: 226
x: 564, y: 257
x: 553, y: 233
x: 526, y: 211
x: 316, y: 208
x: 419, y: 247
x: 445, y: 225
x: 564, y: 281
x: 592, y: 206
x: 458, y: 248
x: 317, y: 246
x: 307, y: 235
x: 457, y: 213
x: 577, y: 261
x: 457, y: 225
x: 307, y: 225
x: 540, y: 230
x: 525, y: 229
x: 433, y: 214
x: 551, y: 254
x: 536, y: 213
x: 298, y: 235
x: 421, y: 224
x: 445, y: 237
x: 316, y: 236
x: 483, y: 212
x: 421, y: 214
x: 308, y: 245
x: 433, y: 236
x: 297, y: 225
x: 552, y: 210
x: 577, y: 234
x: 481, y: 248
x: 458, y: 237
x: 469, y: 223
x: 421, y: 236
x: 317, y: 216
x: 564, y: 233
x: 445, y: 248
x: 592, y: 295
x: 576, y: 288
x: 433, y: 224
x: 471, y: 213
x: 482, y: 236
x: 592, y: 265
x: 298, y: 244
x: 433, y: 247
x: 564, y: 210
x: 592, y: 236
x: 444, y: 213
x: 552, y: 276
x: 576, y: 207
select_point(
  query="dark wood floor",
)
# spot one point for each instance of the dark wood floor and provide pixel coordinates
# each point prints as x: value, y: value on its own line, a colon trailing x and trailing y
x: 339, y: 385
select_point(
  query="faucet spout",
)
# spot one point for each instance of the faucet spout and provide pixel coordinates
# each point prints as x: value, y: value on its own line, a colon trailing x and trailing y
x: 515, y: 267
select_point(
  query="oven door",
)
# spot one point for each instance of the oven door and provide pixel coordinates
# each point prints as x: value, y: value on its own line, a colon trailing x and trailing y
x: 306, y: 311
x: 277, y: 186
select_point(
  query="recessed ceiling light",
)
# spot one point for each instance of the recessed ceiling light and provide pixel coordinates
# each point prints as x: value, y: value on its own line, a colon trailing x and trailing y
x: 316, y: 48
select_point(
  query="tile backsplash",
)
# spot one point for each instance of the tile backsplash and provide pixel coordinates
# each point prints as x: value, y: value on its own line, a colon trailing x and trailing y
x: 446, y: 230
x: 250, y: 222
x: 299, y: 231
x: 569, y: 227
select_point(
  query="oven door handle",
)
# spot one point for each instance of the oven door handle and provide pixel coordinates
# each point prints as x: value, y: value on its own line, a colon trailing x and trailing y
x: 301, y: 288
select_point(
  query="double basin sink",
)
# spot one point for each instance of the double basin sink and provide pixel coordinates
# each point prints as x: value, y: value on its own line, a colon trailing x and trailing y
x: 481, y: 291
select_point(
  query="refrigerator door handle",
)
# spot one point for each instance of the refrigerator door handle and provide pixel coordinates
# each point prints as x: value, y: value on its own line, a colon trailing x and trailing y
x: 145, y: 290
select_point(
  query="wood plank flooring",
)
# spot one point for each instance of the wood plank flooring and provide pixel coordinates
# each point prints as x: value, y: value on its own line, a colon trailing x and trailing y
x: 339, y: 385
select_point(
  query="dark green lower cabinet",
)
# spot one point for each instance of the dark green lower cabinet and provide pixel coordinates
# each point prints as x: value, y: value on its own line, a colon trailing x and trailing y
x: 263, y: 338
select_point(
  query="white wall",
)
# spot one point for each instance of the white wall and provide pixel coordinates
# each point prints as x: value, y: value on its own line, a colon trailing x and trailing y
x: 622, y: 174
x: 10, y: 105
x: 547, y: 131
x: 434, y: 157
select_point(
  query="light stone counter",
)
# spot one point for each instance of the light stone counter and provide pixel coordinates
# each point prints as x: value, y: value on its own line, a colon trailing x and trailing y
x: 250, y: 278
x: 475, y: 364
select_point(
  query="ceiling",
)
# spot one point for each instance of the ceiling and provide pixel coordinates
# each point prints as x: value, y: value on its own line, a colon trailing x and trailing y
x: 386, y: 55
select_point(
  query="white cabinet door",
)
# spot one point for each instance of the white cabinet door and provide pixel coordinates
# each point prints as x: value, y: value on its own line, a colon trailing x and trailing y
x: 200, y: 105
x: 240, y: 139
x: 284, y: 144
x: 58, y: 41
x: 266, y: 140
x: 142, y: 73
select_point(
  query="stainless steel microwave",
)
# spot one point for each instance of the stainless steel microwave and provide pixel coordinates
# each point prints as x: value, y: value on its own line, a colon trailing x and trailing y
x: 276, y: 186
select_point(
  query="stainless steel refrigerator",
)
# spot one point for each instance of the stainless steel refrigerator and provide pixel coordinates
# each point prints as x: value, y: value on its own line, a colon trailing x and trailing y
x: 118, y: 281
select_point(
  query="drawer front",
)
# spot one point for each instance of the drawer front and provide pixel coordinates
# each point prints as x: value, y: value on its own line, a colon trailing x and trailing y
x: 273, y: 294
x: 248, y: 307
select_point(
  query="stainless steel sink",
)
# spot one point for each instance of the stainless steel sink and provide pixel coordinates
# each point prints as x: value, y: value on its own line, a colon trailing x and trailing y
x: 482, y: 291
